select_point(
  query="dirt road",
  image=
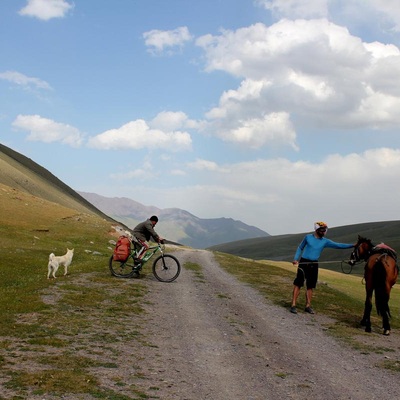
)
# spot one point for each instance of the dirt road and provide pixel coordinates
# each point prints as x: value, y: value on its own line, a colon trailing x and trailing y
x: 216, y: 338
x: 204, y: 336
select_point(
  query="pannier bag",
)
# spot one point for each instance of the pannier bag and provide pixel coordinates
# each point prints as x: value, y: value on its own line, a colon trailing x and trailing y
x: 122, y: 249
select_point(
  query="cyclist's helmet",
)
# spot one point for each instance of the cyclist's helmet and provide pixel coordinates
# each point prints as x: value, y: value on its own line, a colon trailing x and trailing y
x: 320, y: 225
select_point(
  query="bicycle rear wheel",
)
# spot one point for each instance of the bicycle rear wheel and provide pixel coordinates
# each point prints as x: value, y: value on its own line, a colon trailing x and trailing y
x: 166, y: 268
x: 121, y: 269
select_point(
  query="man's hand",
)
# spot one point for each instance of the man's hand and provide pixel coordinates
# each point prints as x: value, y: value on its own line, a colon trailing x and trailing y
x: 295, y: 263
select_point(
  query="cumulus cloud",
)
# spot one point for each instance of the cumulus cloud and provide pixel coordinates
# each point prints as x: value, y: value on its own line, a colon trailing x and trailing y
x: 207, y: 165
x: 296, y: 8
x: 45, y: 130
x: 161, y: 133
x: 381, y: 14
x: 23, y: 80
x: 46, y: 9
x: 158, y: 41
x: 144, y: 173
x: 300, y: 73
x: 172, y: 120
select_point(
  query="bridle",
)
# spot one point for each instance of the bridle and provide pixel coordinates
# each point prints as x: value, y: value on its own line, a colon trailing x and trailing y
x: 355, y: 255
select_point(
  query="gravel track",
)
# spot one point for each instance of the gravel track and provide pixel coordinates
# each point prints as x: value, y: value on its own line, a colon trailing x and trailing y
x: 203, y: 337
x: 217, y: 338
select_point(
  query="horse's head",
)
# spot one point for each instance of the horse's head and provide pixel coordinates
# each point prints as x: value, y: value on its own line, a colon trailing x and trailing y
x: 361, y: 251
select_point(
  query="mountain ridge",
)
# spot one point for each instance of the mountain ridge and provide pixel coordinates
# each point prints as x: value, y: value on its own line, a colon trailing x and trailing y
x: 176, y: 224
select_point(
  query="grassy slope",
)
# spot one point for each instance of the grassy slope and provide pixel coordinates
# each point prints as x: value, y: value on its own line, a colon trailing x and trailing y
x: 20, y: 172
x: 30, y: 229
x: 283, y: 247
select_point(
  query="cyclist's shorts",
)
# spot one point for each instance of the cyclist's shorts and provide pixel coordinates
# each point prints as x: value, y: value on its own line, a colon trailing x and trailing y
x: 307, y: 271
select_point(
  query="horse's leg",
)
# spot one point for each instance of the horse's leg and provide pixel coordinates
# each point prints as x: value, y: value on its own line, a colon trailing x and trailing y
x: 366, y: 319
x: 391, y: 273
x: 386, y: 323
x: 382, y: 292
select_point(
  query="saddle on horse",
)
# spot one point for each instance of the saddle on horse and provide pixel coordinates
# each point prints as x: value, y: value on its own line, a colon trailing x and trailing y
x: 383, y: 248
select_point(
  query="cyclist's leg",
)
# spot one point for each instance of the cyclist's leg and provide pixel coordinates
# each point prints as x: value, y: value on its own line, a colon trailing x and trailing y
x: 143, y: 250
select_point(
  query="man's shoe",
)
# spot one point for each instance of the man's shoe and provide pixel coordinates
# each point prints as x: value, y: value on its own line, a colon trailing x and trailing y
x: 293, y: 310
x: 309, y: 310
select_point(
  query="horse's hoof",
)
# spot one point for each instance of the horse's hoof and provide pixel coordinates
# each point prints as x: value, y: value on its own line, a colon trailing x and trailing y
x: 386, y: 332
x: 368, y: 329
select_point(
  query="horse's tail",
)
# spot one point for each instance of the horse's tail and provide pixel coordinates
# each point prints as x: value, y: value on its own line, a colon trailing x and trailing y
x: 381, y: 294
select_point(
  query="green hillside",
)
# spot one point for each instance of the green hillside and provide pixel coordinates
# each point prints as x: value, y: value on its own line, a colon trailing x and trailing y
x: 283, y: 247
x: 20, y: 172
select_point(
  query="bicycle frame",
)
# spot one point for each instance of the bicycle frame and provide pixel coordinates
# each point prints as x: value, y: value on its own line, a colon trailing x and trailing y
x: 149, y: 252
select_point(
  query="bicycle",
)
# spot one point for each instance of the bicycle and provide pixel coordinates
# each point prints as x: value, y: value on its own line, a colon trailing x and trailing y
x: 166, y: 267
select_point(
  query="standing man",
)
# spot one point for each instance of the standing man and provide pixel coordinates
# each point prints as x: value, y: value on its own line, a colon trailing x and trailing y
x: 306, y: 260
x: 143, y: 232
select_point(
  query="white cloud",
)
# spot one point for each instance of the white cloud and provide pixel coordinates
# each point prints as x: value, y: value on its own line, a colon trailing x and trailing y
x: 48, y: 131
x: 158, y: 41
x: 170, y: 121
x: 390, y: 9
x: 297, y: 74
x: 260, y: 52
x: 23, y: 80
x: 384, y: 14
x: 46, y: 9
x: 296, y: 8
x: 139, y: 174
x: 207, y: 165
x: 270, y: 129
x: 178, y: 172
x: 138, y: 135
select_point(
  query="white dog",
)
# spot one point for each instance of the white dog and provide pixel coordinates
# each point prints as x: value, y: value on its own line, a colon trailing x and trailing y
x: 56, y: 261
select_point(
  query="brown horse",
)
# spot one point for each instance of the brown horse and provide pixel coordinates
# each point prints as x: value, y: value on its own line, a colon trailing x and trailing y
x: 380, y: 274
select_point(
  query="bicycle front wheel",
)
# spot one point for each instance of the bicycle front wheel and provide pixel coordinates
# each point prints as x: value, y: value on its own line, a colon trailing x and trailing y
x: 166, y: 268
x: 121, y: 269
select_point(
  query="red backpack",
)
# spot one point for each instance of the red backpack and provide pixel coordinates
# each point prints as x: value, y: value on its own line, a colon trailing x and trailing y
x: 122, y: 249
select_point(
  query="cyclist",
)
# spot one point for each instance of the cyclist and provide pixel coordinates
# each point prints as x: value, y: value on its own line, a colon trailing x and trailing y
x: 143, y: 232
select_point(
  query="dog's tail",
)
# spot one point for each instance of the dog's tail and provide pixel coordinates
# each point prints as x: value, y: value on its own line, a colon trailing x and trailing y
x: 51, y: 256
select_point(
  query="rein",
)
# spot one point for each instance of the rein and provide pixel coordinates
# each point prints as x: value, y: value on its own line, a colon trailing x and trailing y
x: 356, y: 257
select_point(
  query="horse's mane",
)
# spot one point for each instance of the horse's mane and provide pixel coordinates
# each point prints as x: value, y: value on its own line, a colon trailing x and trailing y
x: 362, y: 239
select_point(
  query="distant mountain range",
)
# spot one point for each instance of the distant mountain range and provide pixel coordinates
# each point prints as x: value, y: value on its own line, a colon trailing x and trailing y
x: 175, y: 224
x: 20, y: 172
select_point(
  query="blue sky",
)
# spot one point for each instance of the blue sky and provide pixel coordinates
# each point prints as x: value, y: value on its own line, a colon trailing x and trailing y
x: 277, y: 113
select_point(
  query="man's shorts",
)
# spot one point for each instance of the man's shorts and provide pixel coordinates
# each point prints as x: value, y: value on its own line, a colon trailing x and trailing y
x: 307, y: 271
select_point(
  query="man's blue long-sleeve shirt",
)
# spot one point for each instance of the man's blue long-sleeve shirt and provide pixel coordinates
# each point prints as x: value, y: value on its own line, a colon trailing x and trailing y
x: 311, y: 247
